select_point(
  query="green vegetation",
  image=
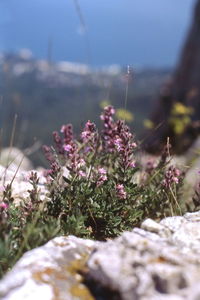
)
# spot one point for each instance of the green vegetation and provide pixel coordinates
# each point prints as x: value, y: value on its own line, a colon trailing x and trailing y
x: 97, y: 188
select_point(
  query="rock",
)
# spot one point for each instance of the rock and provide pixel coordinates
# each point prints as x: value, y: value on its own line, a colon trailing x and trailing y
x: 20, y: 183
x: 49, y: 272
x: 159, y: 261
x: 14, y: 159
x: 153, y: 226
x: 193, y: 216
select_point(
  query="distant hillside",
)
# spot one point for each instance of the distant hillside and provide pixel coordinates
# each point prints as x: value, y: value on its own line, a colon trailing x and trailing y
x: 45, y: 96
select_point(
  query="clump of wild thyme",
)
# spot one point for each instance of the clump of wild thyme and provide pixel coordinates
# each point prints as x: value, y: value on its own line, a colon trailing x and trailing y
x: 97, y: 188
x: 92, y: 180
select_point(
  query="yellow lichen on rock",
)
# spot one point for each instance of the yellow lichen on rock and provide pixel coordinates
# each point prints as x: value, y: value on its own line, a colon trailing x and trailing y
x: 81, y: 292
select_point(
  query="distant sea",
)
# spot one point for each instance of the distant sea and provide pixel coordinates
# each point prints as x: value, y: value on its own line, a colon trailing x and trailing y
x: 147, y: 33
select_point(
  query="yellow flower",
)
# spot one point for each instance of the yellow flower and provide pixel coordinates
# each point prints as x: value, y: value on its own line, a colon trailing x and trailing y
x: 148, y: 124
x: 179, y: 124
x: 180, y: 109
x: 123, y: 114
x: 104, y: 103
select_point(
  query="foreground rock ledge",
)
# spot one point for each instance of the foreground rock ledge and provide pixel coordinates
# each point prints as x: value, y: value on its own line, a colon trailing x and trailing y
x: 157, y: 261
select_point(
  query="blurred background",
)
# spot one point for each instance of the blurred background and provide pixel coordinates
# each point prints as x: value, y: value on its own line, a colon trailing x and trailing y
x: 63, y: 61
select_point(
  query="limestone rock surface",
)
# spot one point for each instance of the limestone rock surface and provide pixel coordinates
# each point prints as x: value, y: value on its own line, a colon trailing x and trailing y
x: 14, y: 159
x: 160, y: 260
x: 49, y: 272
x: 20, y: 183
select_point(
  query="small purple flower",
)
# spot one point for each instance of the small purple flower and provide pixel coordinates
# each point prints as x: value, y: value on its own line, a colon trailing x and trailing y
x: 177, y: 172
x: 62, y: 129
x: 176, y: 180
x: 134, y: 145
x: 101, y: 180
x: 102, y: 117
x: 48, y: 153
x: 85, y: 135
x: 119, y: 144
x: 55, y: 168
x: 58, y: 142
x: 102, y: 171
x: 132, y: 164
x: 67, y: 130
x: 104, y: 178
x: 67, y: 148
x: 109, y: 111
x: 88, y: 132
x: 121, y: 193
x: 81, y: 173
x: 3, y: 205
x: 87, y: 149
x: 81, y: 163
x: 171, y: 176
x: 91, y: 127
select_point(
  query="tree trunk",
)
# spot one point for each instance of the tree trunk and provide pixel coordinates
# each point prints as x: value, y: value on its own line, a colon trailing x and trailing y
x: 184, y: 89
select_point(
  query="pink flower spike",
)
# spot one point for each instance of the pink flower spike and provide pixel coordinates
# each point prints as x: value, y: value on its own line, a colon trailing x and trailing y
x: 67, y: 148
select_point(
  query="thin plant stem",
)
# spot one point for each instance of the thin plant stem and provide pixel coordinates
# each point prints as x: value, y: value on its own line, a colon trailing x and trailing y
x: 1, y: 129
x: 84, y: 28
x: 13, y: 131
x: 126, y: 95
x: 17, y: 169
x: 11, y: 139
x: 1, y: 139
x: 175, y: 200
x: 127, y: 87
x: 93, y: 160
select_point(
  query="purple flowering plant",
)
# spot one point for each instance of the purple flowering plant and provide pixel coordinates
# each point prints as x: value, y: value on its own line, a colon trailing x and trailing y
x: 97, y: 188
x: 100, y: 192
x: 24, y: 226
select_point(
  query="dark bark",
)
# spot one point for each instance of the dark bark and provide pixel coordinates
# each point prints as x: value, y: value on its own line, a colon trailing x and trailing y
x: 185, y: 88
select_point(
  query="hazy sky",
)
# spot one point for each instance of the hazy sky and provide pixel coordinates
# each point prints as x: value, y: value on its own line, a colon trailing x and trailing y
x: 137, y: 32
